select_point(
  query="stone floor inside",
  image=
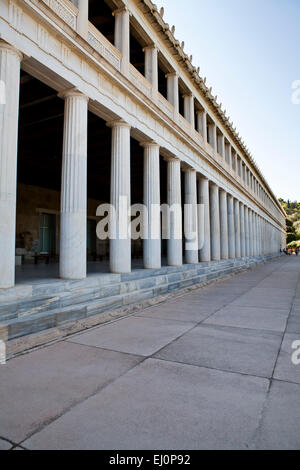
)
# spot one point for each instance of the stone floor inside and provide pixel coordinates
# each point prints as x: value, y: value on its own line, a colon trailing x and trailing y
x: 211, y: 369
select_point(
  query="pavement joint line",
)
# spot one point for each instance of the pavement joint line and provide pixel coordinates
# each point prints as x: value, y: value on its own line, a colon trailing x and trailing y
x: 165, y: 298
x: 100, y: 389
x: 256, y: 433
x: 143, y: 359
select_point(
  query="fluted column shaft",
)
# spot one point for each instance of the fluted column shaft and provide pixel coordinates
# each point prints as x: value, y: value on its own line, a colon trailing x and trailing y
x: 255, y: 232
x: 83, y: 18
x: 72, y: 260
x: 231, y: 228
x: 120, y: 239
x: 174, y: 203
x: 152, y: 242
x: 189, y: 111
x: 191, y: 217
x: 242, y: 230
x: 215, y: 223
x: 172, y: 90
x: 10, y: 60
x: 204, y: 220
x: 251, y: 244
x: 122, y: 36
x: 237, y: 226
x: 223, y: 224
x: 151, y: 66
x: 247, y: 231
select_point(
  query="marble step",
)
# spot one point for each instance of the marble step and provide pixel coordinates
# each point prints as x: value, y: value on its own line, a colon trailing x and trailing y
x: 28, y: 323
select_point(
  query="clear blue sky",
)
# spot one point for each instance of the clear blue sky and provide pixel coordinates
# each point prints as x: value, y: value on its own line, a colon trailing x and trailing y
x: 249, y: 50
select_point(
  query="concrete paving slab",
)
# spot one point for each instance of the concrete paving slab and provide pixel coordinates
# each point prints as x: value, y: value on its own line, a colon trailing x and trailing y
x: 262, y: 301
x: 193, y: 312
x: 5, y: 445
x: 293, y: 325
x: 229, y: 349
x: 279, y: 429
x: 285, y: 368
x: 160, y: 405
x: 134, y: 335
x: 250, y: 317
x: 273, y: 292
x: 41, y: 385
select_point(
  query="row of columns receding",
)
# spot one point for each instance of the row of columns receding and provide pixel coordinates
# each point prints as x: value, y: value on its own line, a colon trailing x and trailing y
x: 223, y: 226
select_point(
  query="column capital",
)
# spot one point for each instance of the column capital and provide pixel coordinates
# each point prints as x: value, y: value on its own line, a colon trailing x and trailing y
x: 123, y: 9
x: 72, y: 92
x: 171, y: 159
x: 171, y: 74
x: 188, y: 95
x: 9, y: 47
x: 149, y: 143
x: 150, y: 47
x: 222, y: 190
x: 118, y: 123
x: 187, y: 168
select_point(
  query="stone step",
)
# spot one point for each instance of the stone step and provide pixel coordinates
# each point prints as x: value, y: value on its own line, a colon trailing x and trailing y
x: 42, y: 312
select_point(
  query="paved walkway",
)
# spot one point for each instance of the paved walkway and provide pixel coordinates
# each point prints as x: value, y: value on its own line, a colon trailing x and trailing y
x: 210, y: 370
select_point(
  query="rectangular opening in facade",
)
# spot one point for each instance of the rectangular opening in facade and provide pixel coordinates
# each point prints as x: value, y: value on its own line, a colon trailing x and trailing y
x: 137, y: 44
x: 227, y: 152
x: 181, y: 93
x: 210, y: 127
x: 100, y: 15
x: 239, y: 165
x: 163, y: 70
x: 233, y: 161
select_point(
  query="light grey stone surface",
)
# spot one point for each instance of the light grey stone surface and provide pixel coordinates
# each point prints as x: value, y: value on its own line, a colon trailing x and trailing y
x: 250, y: 317
x: 285, y: 368
x: 5, y: 445
x: 167, y: 377
x: 164, y: 406
x: 279, y: 428
x: 39, y: 386
x: 142, y: 336
x: 230, y: 349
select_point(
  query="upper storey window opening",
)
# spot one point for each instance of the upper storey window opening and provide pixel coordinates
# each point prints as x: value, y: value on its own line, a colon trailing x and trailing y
x: 100, y: 15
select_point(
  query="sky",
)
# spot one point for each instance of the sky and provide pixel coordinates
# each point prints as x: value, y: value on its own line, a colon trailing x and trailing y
x: 249, y: 50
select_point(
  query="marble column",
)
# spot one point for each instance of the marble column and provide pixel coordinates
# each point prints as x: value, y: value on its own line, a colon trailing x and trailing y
x: 223, y: 224
x: 255, y: 245
x: 215, y: 223
x: 251, y: 245
x: 152, y: 241
x: 120, y: 238
x: 174, y: 203
x: 259, y: 235
x: 122, y: 36
x: 10, y: 60
x: 242, y: 229
x: 83, y: 18
x: 231, y: 228
x: 237, y: 226
x: 204, y: 220
x: 247, y: 233
x: 191, y: 217
x: 189, y: 112
x: 151, y: 66
x: 172, y: 90
x: 201, y: 124
x: 72, y: 253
